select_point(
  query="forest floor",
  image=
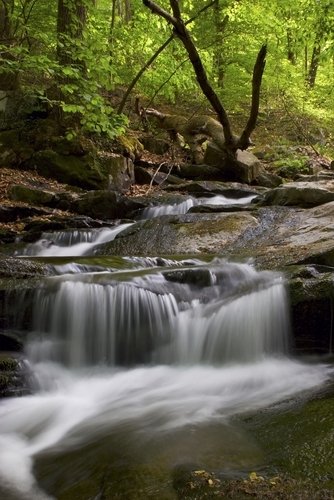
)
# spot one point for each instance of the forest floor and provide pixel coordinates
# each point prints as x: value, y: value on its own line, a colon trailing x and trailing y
x: 302, y: 145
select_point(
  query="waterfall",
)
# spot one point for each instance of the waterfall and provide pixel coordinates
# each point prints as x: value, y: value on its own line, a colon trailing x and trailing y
x: 133, y: 356
x: 153, y: 320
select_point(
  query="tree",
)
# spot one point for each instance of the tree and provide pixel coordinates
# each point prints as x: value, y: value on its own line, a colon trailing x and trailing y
x: 231, y: 142
x: 8, y: 77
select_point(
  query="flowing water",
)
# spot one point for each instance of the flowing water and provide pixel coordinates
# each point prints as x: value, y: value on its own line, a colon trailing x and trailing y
x: 143, y: 364
x: 184, y: 206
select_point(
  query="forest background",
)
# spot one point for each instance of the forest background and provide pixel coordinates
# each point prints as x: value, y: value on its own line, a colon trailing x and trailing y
x: 77, y: 56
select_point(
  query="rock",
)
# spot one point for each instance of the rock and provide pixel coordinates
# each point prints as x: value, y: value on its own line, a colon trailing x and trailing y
x: 83, y: 171
x: 119, y: 171
x: 200, y: 172
x: 33, y: 196
x: 12, y: 267
x: 311, y: 291
x: 245, y: 168
x: 13, y: 213
x: 268, y: 179
x: 228, y: 189
x: 144, y: 176
x: 34, y: 229
x: 155, y: 145
x: 16, y: 377
x: 130, y: 147
x: 105, y: 205
x: 301, y: 194
x: 180, y: 234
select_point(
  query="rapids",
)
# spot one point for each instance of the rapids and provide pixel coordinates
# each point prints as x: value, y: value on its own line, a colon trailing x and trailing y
x: 133, y: 356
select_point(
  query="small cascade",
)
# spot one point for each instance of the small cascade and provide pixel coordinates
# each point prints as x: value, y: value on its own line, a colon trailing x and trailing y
x: 72, y: 242
x: 184, y: 206
x: 240, y: 315
x: 168, y: 209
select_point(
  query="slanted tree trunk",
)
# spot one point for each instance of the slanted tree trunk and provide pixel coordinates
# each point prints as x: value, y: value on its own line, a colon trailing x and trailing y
x: 232, y: 143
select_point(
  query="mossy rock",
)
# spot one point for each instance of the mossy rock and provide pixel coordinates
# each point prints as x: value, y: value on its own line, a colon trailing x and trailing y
x: 131, y: 146
x: 33, y: 196
x: 83, y: 171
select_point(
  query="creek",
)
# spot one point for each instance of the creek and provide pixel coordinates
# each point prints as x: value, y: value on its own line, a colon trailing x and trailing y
x: 141, y: 365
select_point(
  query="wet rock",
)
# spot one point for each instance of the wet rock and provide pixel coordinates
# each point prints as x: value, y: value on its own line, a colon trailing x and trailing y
x: 12, y: 267
x: 311, y: 291
x: 105, y: 205
x: 34, y: 229
x: 16, y: 377
x: 207, y: 208
x: 180, y: 234
x: 198, y: 277
x: 228, y: 189
x: 301, y: 194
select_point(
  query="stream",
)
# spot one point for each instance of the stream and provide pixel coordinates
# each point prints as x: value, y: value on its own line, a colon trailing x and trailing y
x: 141, y: 365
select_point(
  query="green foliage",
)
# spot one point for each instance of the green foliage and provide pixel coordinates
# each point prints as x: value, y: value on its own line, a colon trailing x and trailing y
x: 115, y: 44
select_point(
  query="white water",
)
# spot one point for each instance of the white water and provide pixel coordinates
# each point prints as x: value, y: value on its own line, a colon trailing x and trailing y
x: 143, y: 402
x: 145, y: 356
x: 184, y: 206
x: 72, y: 243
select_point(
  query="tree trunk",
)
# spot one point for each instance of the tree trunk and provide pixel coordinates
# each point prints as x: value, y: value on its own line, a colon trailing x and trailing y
x: 314, y: 64
x: 231, y: 143
x: 290, y: 46
x: 71, y: 21
x: 8, y: 79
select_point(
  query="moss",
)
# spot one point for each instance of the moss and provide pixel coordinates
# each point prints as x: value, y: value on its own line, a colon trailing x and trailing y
x: 83, y: 171
x: 131, y: 146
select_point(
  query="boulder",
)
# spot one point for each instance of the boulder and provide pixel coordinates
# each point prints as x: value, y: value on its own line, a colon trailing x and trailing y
x: 105, y: 205
x: 33, y: 196
x: 155, y: 145
x: 311, y: 291
x: 301, y: 194
x: 119, y: 171
x: 16, y: 377
x: 83, y: 171
x: 245, y: 168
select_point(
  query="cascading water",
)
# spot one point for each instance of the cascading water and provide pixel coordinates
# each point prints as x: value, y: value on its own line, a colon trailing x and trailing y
x: 72, y: 242
x: 184, y: 206
x: 127, y: 359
